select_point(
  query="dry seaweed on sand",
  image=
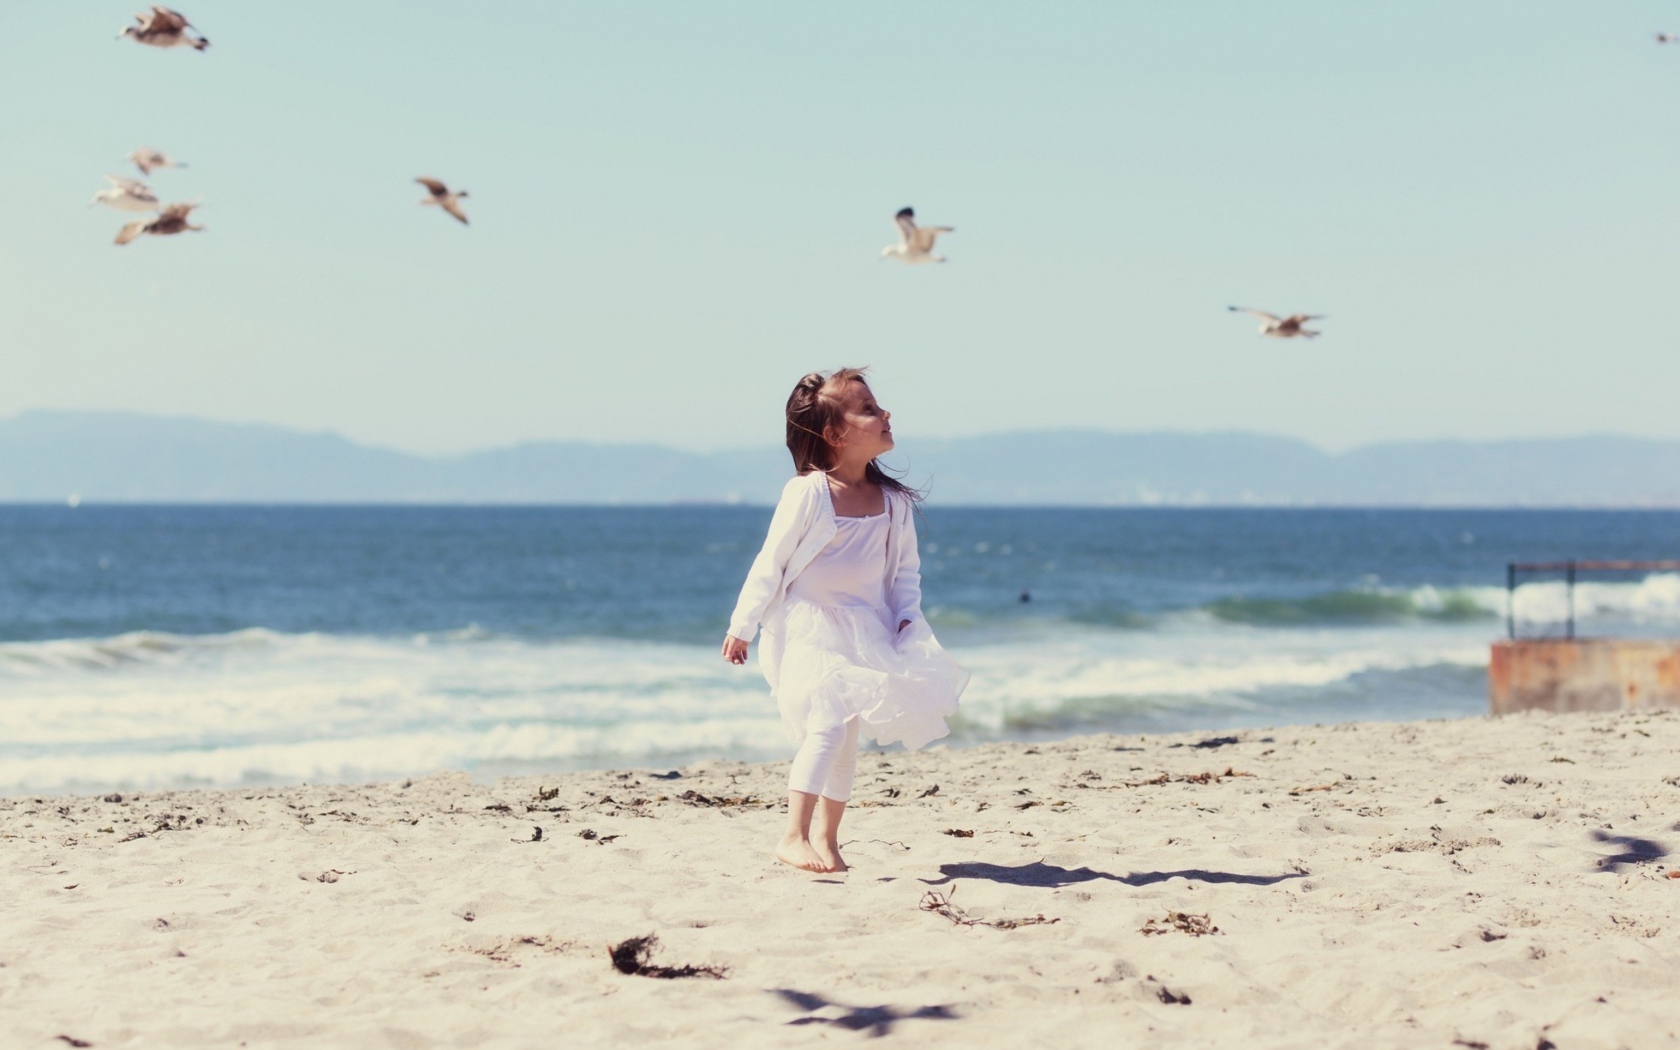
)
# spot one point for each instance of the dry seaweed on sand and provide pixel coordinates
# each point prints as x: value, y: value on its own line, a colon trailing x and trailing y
x: 1165, y: 994
x: 1183, y: 922
x: 695, y: 798
x: 632, y: 957
x: 941, y: 904
x: 543, y: 801
x: 958, y: 833
x: 1182, y: 778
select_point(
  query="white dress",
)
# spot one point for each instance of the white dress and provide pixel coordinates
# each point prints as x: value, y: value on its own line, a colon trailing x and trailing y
x: 834, y: 651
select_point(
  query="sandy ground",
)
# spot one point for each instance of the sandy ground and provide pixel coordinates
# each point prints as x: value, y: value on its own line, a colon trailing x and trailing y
x: 1471, y: 883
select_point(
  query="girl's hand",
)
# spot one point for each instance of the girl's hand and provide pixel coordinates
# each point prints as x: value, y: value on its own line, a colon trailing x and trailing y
x: 734, y: 650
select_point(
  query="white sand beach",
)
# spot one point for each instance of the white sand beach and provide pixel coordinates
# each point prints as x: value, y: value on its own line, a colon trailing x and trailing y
x: 1498, y: 883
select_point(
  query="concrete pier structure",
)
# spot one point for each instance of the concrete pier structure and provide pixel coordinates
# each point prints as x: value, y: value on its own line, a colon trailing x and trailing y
x: 1594, y: 674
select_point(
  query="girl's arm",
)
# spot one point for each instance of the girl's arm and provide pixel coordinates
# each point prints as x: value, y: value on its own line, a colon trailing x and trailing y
x: 787, y: 526
x: 905, y: 594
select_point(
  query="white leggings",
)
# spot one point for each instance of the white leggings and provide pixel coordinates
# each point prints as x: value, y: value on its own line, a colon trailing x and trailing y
x: 826, y: 762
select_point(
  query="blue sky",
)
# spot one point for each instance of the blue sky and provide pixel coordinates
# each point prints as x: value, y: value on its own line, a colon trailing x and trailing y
x: 678, y: 207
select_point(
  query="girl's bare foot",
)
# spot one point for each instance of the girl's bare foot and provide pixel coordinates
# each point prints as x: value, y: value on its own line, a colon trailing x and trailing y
x: 830, y: 854
x: 798, y: 853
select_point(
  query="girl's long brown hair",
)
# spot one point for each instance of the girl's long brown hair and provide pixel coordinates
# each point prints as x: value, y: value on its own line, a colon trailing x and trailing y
x: 815, y: 410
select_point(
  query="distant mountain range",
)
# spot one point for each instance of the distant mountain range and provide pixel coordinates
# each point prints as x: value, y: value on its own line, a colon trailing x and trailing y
x: 124, y: 457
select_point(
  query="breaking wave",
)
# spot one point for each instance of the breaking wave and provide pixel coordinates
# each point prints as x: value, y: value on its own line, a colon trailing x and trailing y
x: 259, y: 706
x: 1363, y: 607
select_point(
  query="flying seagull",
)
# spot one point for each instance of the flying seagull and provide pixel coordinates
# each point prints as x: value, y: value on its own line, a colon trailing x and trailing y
x: 915, y: 243
x: 1668, y: 38
x: 172, y: 219
x: 126, y: 195
x: 165, y: 28
x: 149, y: 160
x: 440, y: 196
x: 1281, y: 327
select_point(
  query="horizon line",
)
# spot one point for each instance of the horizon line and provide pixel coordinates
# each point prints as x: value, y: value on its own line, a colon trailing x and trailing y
x: 78, y: 502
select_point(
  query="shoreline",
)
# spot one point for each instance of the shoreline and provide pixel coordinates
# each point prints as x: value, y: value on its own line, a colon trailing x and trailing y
x: 1494, y: 881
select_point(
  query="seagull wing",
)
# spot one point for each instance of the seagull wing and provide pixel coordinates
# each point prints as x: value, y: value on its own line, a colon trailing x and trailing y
x: 1263, y: 315
x: 132, y: 187
x: 453, y: 207
x: 166, y: 21
x: 925, y: 236
x: 906, y: 220
x: 1303, y: 318
x: 438, y: 189
x: 176, y: 212
x: 131, y: 231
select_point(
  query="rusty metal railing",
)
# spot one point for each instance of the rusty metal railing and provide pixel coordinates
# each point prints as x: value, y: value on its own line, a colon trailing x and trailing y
x: 1570, y: 570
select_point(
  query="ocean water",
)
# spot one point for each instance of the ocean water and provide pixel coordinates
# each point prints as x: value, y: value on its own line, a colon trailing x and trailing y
x: 158, y: 646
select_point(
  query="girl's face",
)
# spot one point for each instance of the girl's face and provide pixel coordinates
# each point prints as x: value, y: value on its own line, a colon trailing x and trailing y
x: 868, y: 430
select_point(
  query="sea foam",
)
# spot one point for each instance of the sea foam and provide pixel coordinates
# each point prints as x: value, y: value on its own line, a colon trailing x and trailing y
x: 260, y: 706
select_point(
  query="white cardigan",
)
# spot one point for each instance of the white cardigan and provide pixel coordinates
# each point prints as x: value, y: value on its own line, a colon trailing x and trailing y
x: 801, y: 527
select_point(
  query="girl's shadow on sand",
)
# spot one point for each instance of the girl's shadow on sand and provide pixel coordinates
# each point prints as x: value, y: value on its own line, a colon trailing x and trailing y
x: 1039, y: 873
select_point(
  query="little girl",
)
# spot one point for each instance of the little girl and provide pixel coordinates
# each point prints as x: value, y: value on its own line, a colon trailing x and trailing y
x: 837, y: 588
